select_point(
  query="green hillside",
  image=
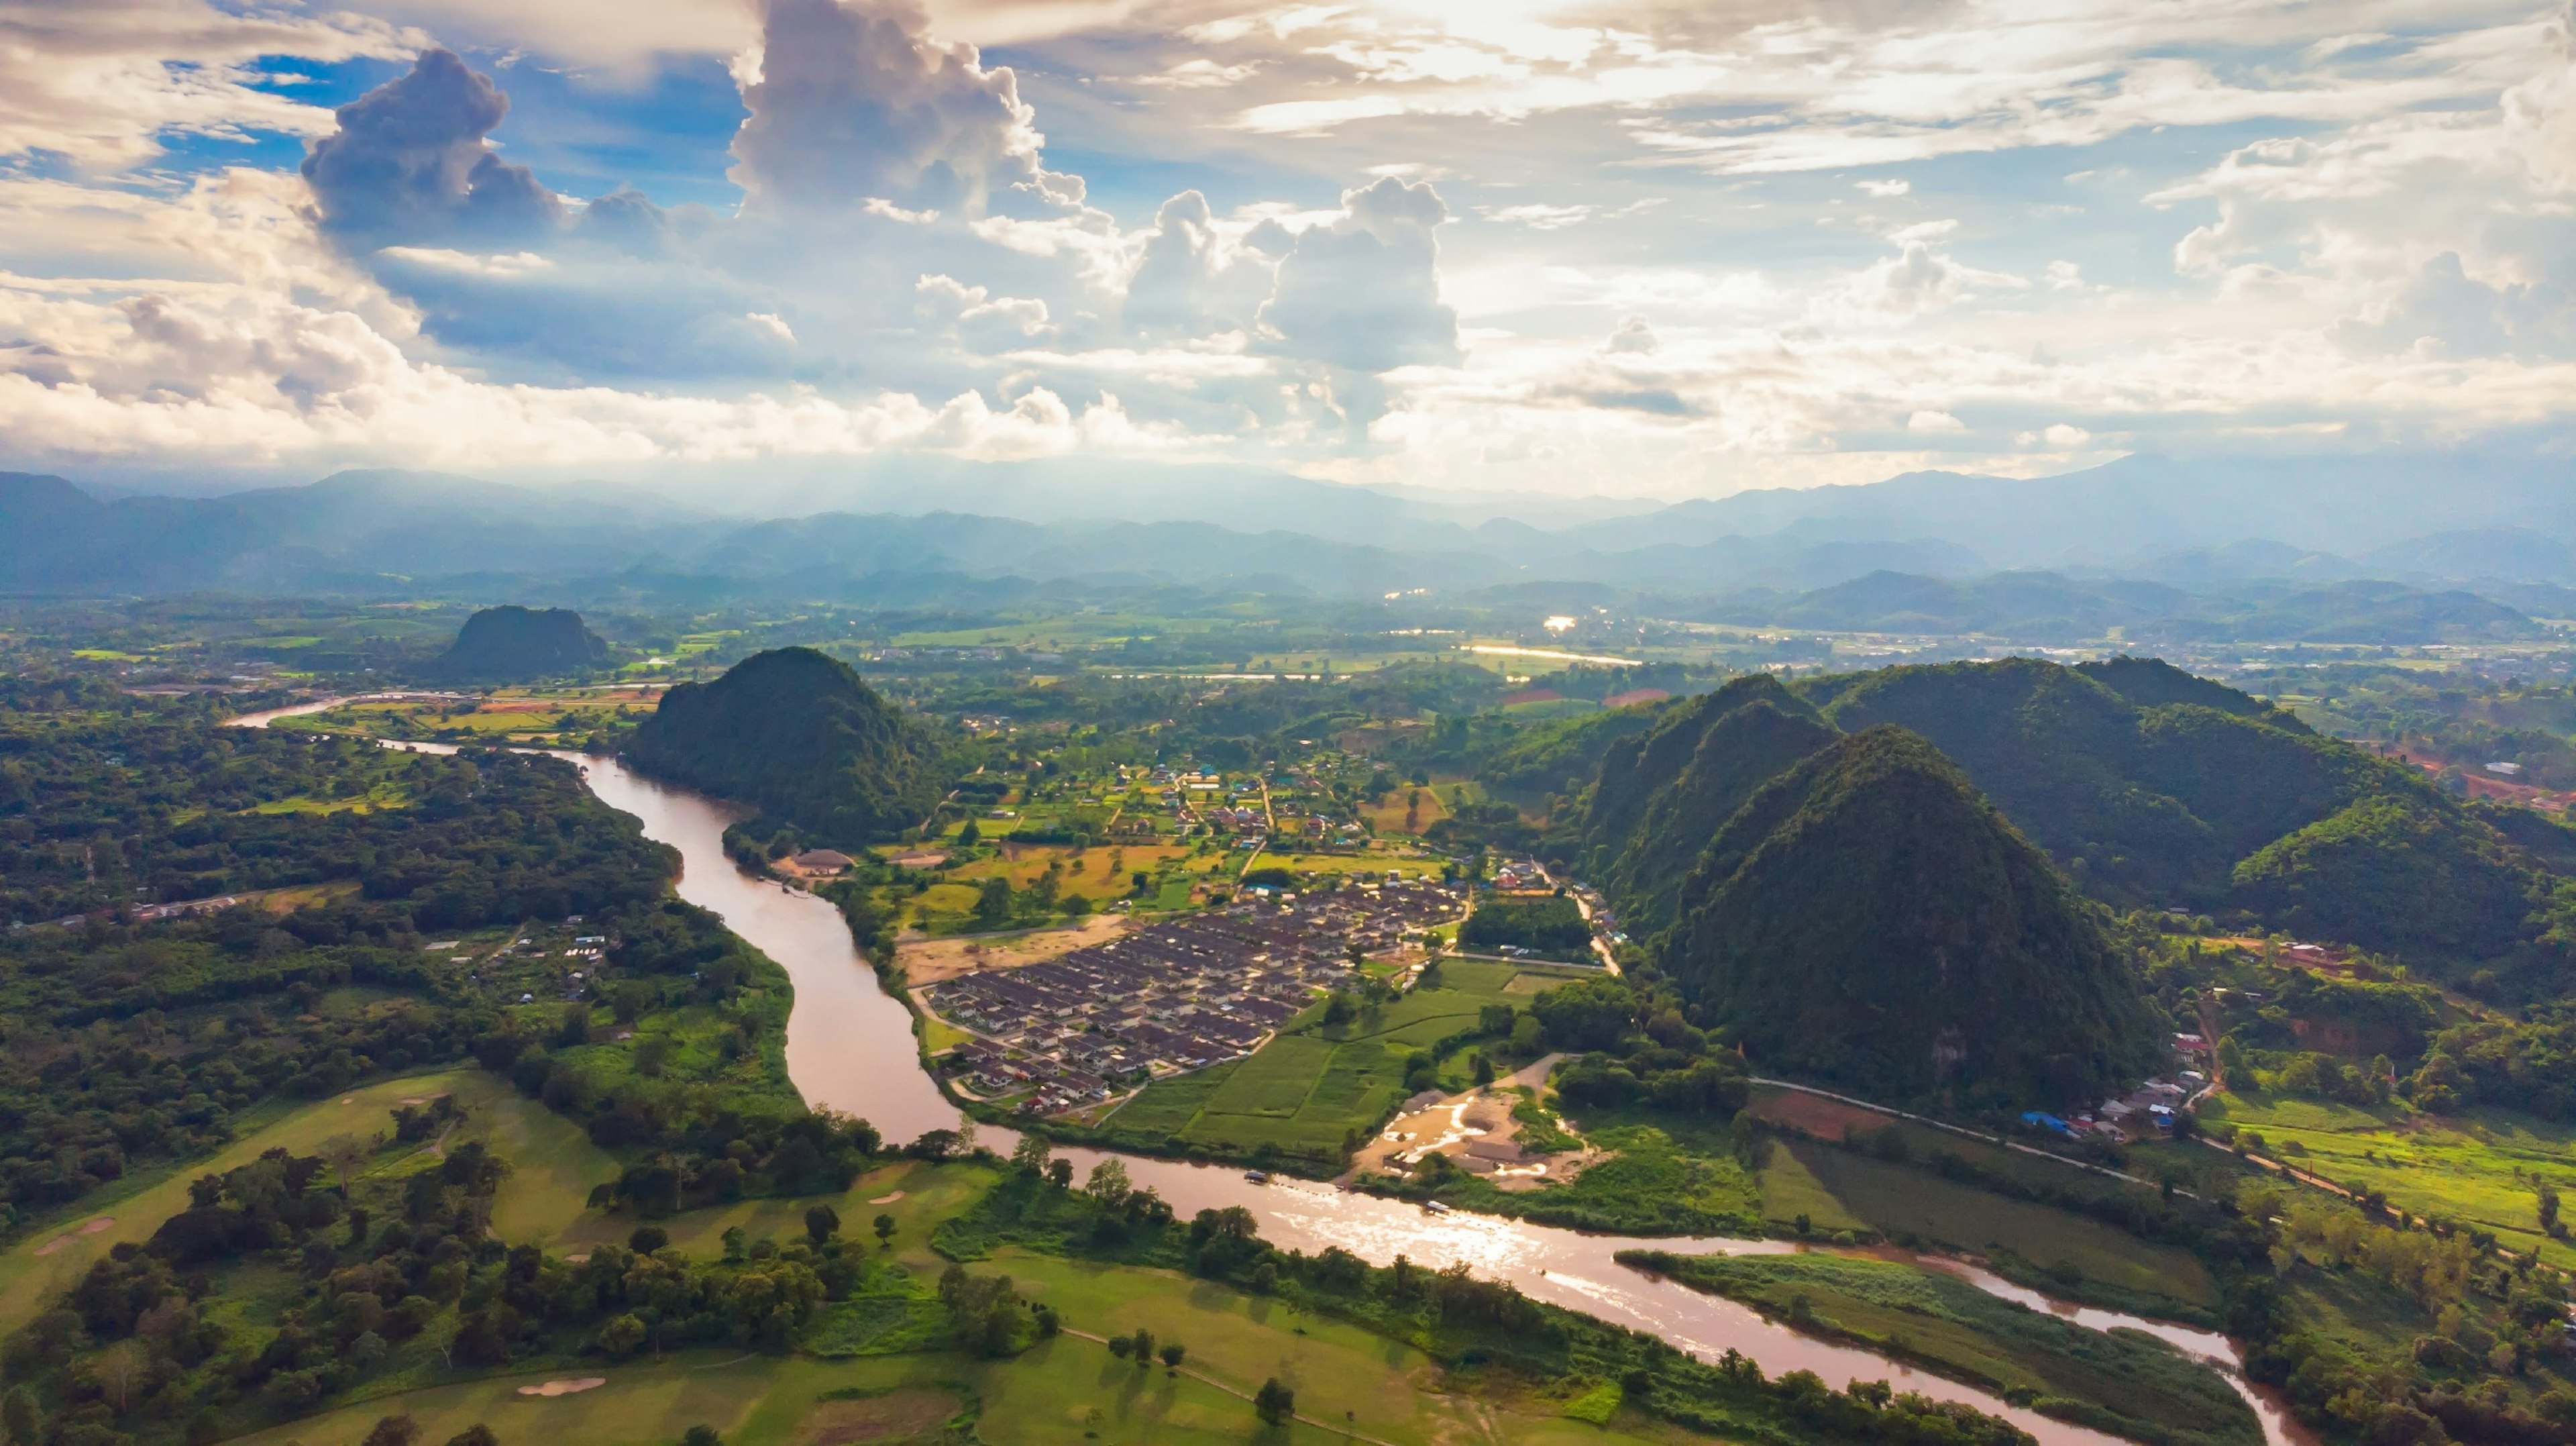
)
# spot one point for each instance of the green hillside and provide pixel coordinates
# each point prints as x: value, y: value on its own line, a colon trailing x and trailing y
x: 1867, y: 917
x: 511, y: 644
x: 2154, y: 788
x: 1683, y: 781
x: 794, y: 733
x: 2416, y: 877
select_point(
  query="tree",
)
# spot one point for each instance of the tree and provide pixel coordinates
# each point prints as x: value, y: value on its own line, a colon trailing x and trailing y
x: 2231, y: 1064
x: 822, y: 1222
x: 701, y: 1436
x: 1274, y: 1403
x: 1060, y: 1174
x: 885, y: 1231
x: 394, y: 1431
x: 477, y: 1434
x: 345, y: 1155
x: 19, y: 1416
x: 993, y: 903
x: 1141, y: 1345
x: 2548, y: 1208
x: 645, y: 1239
x: 1174, y: 1353
x: 1108, y: 1184
x: 1031, y: 1154
x: 621, y: 1336
x: 737, y: 1242
x: 121, y: 1368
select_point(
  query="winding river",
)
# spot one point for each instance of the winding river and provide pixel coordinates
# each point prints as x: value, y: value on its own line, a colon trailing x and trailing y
x: 850, y: 1047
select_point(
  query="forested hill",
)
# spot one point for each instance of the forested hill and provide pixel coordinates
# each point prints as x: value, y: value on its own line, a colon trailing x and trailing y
x: 797, y: 735
x: 2154, y: 788
x: 1683, y: 781
x: 1866, y: 917
x: 512, y: 644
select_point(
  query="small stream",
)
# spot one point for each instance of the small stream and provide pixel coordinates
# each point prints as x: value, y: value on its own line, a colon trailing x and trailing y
x: 850, y: 1047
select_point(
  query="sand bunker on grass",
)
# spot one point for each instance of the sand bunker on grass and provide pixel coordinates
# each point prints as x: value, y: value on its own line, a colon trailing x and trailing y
x: 564, y: 1388
x: 886, y: 1199
x: 88, y: 1227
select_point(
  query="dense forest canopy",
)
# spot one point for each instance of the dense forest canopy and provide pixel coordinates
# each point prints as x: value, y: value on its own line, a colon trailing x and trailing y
x: 109, y: 801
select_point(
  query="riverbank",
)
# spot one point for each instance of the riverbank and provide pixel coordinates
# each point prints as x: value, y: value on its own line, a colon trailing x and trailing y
x: 2123, y: 1381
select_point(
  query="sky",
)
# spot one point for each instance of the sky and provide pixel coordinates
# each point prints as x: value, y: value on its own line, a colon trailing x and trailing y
x: 1635, y: 248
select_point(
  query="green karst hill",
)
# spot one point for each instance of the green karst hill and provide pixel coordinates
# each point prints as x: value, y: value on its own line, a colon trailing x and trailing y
x: 796, y: 734
x: 1684, y: 780
x: 2153, y: 787
x: 1868, y: 917
x: 1804, y: 886
x: 511, y: 643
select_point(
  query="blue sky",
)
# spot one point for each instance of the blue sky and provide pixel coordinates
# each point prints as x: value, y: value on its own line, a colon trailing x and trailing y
x: 1638, y: 247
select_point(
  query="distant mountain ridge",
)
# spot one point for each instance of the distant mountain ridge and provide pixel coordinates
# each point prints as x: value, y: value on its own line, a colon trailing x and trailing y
x: 2107, y: 534
x: 2142, y: 506
x: 2052, y: 607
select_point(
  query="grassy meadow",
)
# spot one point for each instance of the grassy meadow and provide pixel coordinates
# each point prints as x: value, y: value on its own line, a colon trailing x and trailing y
x: 2479, y: 1169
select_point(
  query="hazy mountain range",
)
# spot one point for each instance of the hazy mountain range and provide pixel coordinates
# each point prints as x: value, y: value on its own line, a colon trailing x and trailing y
x: 2391, y: 548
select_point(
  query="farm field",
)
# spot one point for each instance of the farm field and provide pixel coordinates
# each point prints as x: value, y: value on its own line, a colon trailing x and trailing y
x: 1389, y: 817
x: 555, y: 1168
x: 502, y: 716
x: 1372, y: 861
x: 2064, y: 1252
x: 1831, y: 1122
x: 1314, y: 1086
x: 1102, y: 870
x: 2478, y: 1169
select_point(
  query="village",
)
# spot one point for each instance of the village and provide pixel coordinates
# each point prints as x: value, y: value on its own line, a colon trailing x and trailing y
x: 1077, y: 1029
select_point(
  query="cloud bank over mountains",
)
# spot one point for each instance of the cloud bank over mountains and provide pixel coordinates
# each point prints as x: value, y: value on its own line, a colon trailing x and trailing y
x: 1619, y: 245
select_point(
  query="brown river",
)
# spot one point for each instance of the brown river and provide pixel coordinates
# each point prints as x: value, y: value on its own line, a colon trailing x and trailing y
x: 850, y: 1047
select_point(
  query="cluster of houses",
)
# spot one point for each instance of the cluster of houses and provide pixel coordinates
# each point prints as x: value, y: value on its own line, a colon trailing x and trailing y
x: 2147, y: 1112
x: 1074, y: 1030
